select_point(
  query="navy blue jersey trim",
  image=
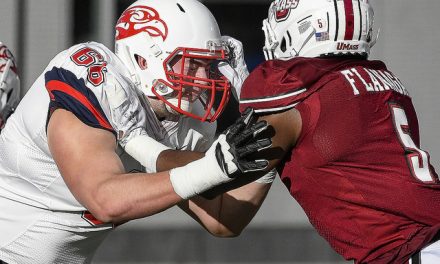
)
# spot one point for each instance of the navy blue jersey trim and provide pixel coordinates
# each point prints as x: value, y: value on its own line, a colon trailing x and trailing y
x: 70, y: 93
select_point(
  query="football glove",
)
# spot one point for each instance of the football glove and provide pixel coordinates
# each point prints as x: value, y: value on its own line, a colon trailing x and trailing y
x: 229, y: 157
x: 235, y: 69
x: 239, y: 142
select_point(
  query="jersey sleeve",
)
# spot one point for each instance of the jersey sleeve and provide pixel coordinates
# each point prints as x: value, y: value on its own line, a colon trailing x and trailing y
x: 89, y: 81
x: 71, y: 93
x: 270, y: 88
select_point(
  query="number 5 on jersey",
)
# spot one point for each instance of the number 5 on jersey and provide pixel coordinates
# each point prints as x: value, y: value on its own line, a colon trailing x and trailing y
x: 418, y: 160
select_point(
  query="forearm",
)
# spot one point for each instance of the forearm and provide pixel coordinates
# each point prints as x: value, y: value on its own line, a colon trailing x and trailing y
x: 169, y: 159
x: 241, y: 205
x: 135, y: 195
x: 138, y: 195
x: 228, y: 214
x: 126, y: 197
x: 113, y: 196
x: 155, y: 156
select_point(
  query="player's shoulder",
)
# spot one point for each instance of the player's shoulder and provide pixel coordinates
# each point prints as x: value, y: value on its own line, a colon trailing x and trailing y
x: 88, y: 68
x: 91, y: 61
x: 82, y: 53
x: 276, y: 85
x: 80, y: 78
x: 87, y: 52
x: 284, y: 76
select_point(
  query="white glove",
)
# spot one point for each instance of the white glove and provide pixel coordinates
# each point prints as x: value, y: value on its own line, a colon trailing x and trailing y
x: 225, y: 159
x: 236, y: 70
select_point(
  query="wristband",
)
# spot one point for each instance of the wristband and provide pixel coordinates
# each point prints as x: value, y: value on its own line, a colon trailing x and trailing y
x: 198, y: 176
x: 145, y: 150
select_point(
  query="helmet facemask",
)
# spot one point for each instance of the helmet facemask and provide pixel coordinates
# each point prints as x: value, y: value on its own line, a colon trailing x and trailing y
x: 192, y: 75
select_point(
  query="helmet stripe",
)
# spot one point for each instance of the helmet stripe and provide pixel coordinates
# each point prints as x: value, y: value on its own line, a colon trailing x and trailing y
x: 360, y: 20
x: 349, y: 19
x: 337, y: 20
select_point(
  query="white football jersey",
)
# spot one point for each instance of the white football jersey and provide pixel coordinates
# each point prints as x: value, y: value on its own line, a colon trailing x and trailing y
x: 41, y: 220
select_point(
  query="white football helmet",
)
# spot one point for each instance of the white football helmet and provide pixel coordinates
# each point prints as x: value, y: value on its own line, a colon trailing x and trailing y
x: 160, y: 41
x: 9, y: 84
x: 318, y: 28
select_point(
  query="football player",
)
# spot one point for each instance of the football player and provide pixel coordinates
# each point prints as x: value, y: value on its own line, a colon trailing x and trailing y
x: 9, y: 84
x: 63, y: 186
x: 349, y: 133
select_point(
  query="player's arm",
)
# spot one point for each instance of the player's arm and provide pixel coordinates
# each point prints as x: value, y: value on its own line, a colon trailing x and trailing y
x: 169, y: 159
x: 229, y: 213
x: 237, y: 202
x: 286, y: 128
x: 82, y: 142
x: 93, y: 172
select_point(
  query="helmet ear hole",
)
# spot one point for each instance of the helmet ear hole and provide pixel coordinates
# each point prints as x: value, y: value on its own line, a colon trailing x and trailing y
x: 141, y: 61
x: 181, y: 8
x: 283, y: 45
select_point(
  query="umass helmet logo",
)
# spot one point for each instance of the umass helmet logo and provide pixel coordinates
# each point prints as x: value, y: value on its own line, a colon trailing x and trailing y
x: 281, y: 8
x: 141, y: 19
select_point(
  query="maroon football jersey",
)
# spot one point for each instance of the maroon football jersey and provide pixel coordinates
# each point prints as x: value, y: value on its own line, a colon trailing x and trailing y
x: 357, y: 168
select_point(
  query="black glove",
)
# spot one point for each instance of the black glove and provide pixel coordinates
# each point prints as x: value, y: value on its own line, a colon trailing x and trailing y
x: 244, y: 139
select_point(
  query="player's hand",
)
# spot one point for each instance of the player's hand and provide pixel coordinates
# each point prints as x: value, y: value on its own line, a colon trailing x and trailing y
x: 234, y: 148
x: 235, y: 70
x: 229, y: 157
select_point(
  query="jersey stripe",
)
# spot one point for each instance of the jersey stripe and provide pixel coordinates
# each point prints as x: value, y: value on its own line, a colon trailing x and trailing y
x: 53, y: 86
x: 337, y: 20
x: 272, y: 98
x: 349, y: 19
x: 273, y: 103
x: 276, y: 109
x: 360, y: 20
x: 70, y: 93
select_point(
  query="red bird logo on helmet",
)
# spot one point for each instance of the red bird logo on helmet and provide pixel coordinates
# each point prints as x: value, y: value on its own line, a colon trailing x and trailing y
x: 141, y: 19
